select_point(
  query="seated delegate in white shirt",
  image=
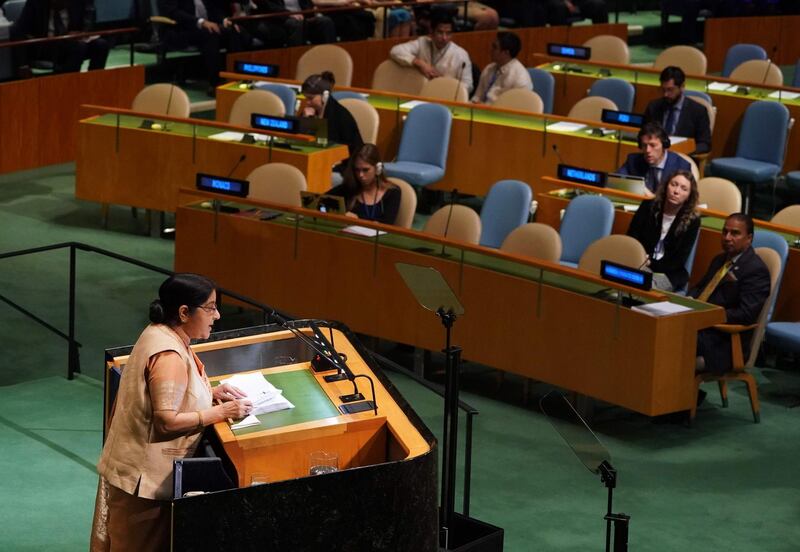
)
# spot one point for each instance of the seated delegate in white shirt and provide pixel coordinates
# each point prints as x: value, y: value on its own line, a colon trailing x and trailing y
x: 436, y: 55
x: 505, y: 72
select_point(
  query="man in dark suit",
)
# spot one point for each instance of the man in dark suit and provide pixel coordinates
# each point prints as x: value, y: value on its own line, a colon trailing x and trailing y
x: 677, y: 114
x: 203, y: 23
x: 42, y: 18
x: 737, y: 280
x: 292, y: 30
x: 655, y: 162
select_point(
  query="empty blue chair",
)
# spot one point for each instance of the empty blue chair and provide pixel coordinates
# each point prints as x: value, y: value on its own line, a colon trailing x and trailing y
x: 776, y: 242
x: 587, y: 219
x: 619, y: 91
x: 793, y: 180
x: 422, y: 156
x: 286, y: 94
x: 544, y: 84
x: 13, y: 9
x: 784, y: 336
x: 689, y: 264
x: 699, y: 94
x: 507, y: 206
x: 344, y: 94
x: 761, y: 147
x: 738, y: 54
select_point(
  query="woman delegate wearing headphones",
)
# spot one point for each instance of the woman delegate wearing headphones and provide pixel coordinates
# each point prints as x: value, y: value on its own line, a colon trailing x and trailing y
x: 367, y: 193
x: 319, y: 103
x: 667, y: 228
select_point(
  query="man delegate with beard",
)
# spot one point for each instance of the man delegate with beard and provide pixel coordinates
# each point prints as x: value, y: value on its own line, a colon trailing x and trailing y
x: 676, y: 113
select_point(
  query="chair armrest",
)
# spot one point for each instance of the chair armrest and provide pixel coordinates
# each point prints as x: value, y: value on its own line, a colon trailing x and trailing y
x: 734, y: 328
x: 162, y: 20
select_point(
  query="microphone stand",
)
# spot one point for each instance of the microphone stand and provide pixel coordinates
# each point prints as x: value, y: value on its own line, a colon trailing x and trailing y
x: 453, y: 197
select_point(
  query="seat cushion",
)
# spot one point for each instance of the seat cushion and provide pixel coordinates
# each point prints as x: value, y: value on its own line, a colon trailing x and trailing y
x: 793, y: 178
x: 740, y: 169
x: 416, y: 174
x: 784, y: 335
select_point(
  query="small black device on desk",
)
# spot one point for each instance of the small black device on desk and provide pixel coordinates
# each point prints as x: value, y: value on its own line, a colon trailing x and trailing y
x: 259, y: 69
x: 581, y: 175
x: 568, y: 51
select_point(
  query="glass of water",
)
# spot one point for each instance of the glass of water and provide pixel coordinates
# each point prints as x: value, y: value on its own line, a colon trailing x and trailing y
x: 321, y: 462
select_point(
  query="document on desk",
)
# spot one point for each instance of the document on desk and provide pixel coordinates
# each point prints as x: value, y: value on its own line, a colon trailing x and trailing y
x: 784, y: 95
x: 264, y: 396
x: 362, y: 231
x: 412, y: 104
x: 662, y: 308
x: 565, y: 126
x: 676, y: 140
x: 230, y: 136
x: 721, y: 86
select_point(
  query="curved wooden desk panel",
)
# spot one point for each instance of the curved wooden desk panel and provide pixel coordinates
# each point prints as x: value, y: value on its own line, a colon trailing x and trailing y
x: 554, y: 332
x: 39, y: 117
x: 776, y: 34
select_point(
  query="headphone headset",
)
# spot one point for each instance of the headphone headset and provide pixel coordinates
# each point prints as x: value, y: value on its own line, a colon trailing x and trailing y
x: 379, y: 168
x: 325, y: 95
x: 657, y: 131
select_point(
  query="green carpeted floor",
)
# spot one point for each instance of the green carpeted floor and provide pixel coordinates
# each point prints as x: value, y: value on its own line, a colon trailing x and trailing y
x: 725, y: 484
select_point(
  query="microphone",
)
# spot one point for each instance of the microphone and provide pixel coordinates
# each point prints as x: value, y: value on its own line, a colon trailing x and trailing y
x: 169, y: 103
x: 558, y: 154
x: 460, y: 76
x: 327, y: 358
x: 453, y: 197
x: 236, y: 165
x: 769, y: 65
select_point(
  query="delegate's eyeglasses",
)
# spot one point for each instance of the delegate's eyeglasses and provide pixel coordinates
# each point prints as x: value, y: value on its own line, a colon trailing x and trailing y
x: 209, y: 308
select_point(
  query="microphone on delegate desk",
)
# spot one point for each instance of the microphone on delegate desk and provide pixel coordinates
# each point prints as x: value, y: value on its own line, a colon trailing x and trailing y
x: 558, y: 154
x: 769, y: 65
x: 460, y: 76
x: 453, y: 197
x: 236, y: 165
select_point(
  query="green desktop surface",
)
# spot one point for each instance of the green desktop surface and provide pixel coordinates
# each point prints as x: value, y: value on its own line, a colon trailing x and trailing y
x: 649, y: 78
x: 455, y: 254
x: 477, y: 114
x: 197, y: 130
x: 301, y: 389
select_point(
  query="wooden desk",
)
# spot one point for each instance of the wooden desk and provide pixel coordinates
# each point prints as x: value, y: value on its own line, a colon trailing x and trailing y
x: 787, y: 306
x: 776, y: 34
x: 39, y: 117
x: 532, y: 318
x: 122, y: 164
x: 368, y: 54
x: 487, y: 144
x: 571, y: 87
x: 382, y: 498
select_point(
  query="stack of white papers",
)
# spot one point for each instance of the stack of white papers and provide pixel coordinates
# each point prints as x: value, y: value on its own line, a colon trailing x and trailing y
x: 662, y: 308
x: 362, y: 231
x: 230, y: 136
x: 721, y: 86
x: 565, y: 126
x: 412, y: 104
x: 264, y: 396
x: 784, y: 95
x: 677, y: 139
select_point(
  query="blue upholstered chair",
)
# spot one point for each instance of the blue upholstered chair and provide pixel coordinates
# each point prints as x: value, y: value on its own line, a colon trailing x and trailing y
x: 776, y: 242
x: 761, y: 147
x: 344, y: 94
x: 587, y: 219
x: 507, y: 206
x: 544, y: 84
x: 738, y: 54
x: 783, y: 335
x: 699, y: 94
x: 286, y: 94
x: 422, y: 156
x: 619, y: 91
x: 689, y: 264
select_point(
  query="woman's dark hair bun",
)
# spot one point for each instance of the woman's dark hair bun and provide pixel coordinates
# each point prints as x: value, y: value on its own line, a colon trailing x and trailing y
x: 157, y: 312
x: 328, y: 76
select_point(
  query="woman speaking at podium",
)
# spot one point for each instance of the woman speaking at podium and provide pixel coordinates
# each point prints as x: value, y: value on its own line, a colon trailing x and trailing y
x: 366, y: 191
x: 163, y: 404
x: 667, y: 228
